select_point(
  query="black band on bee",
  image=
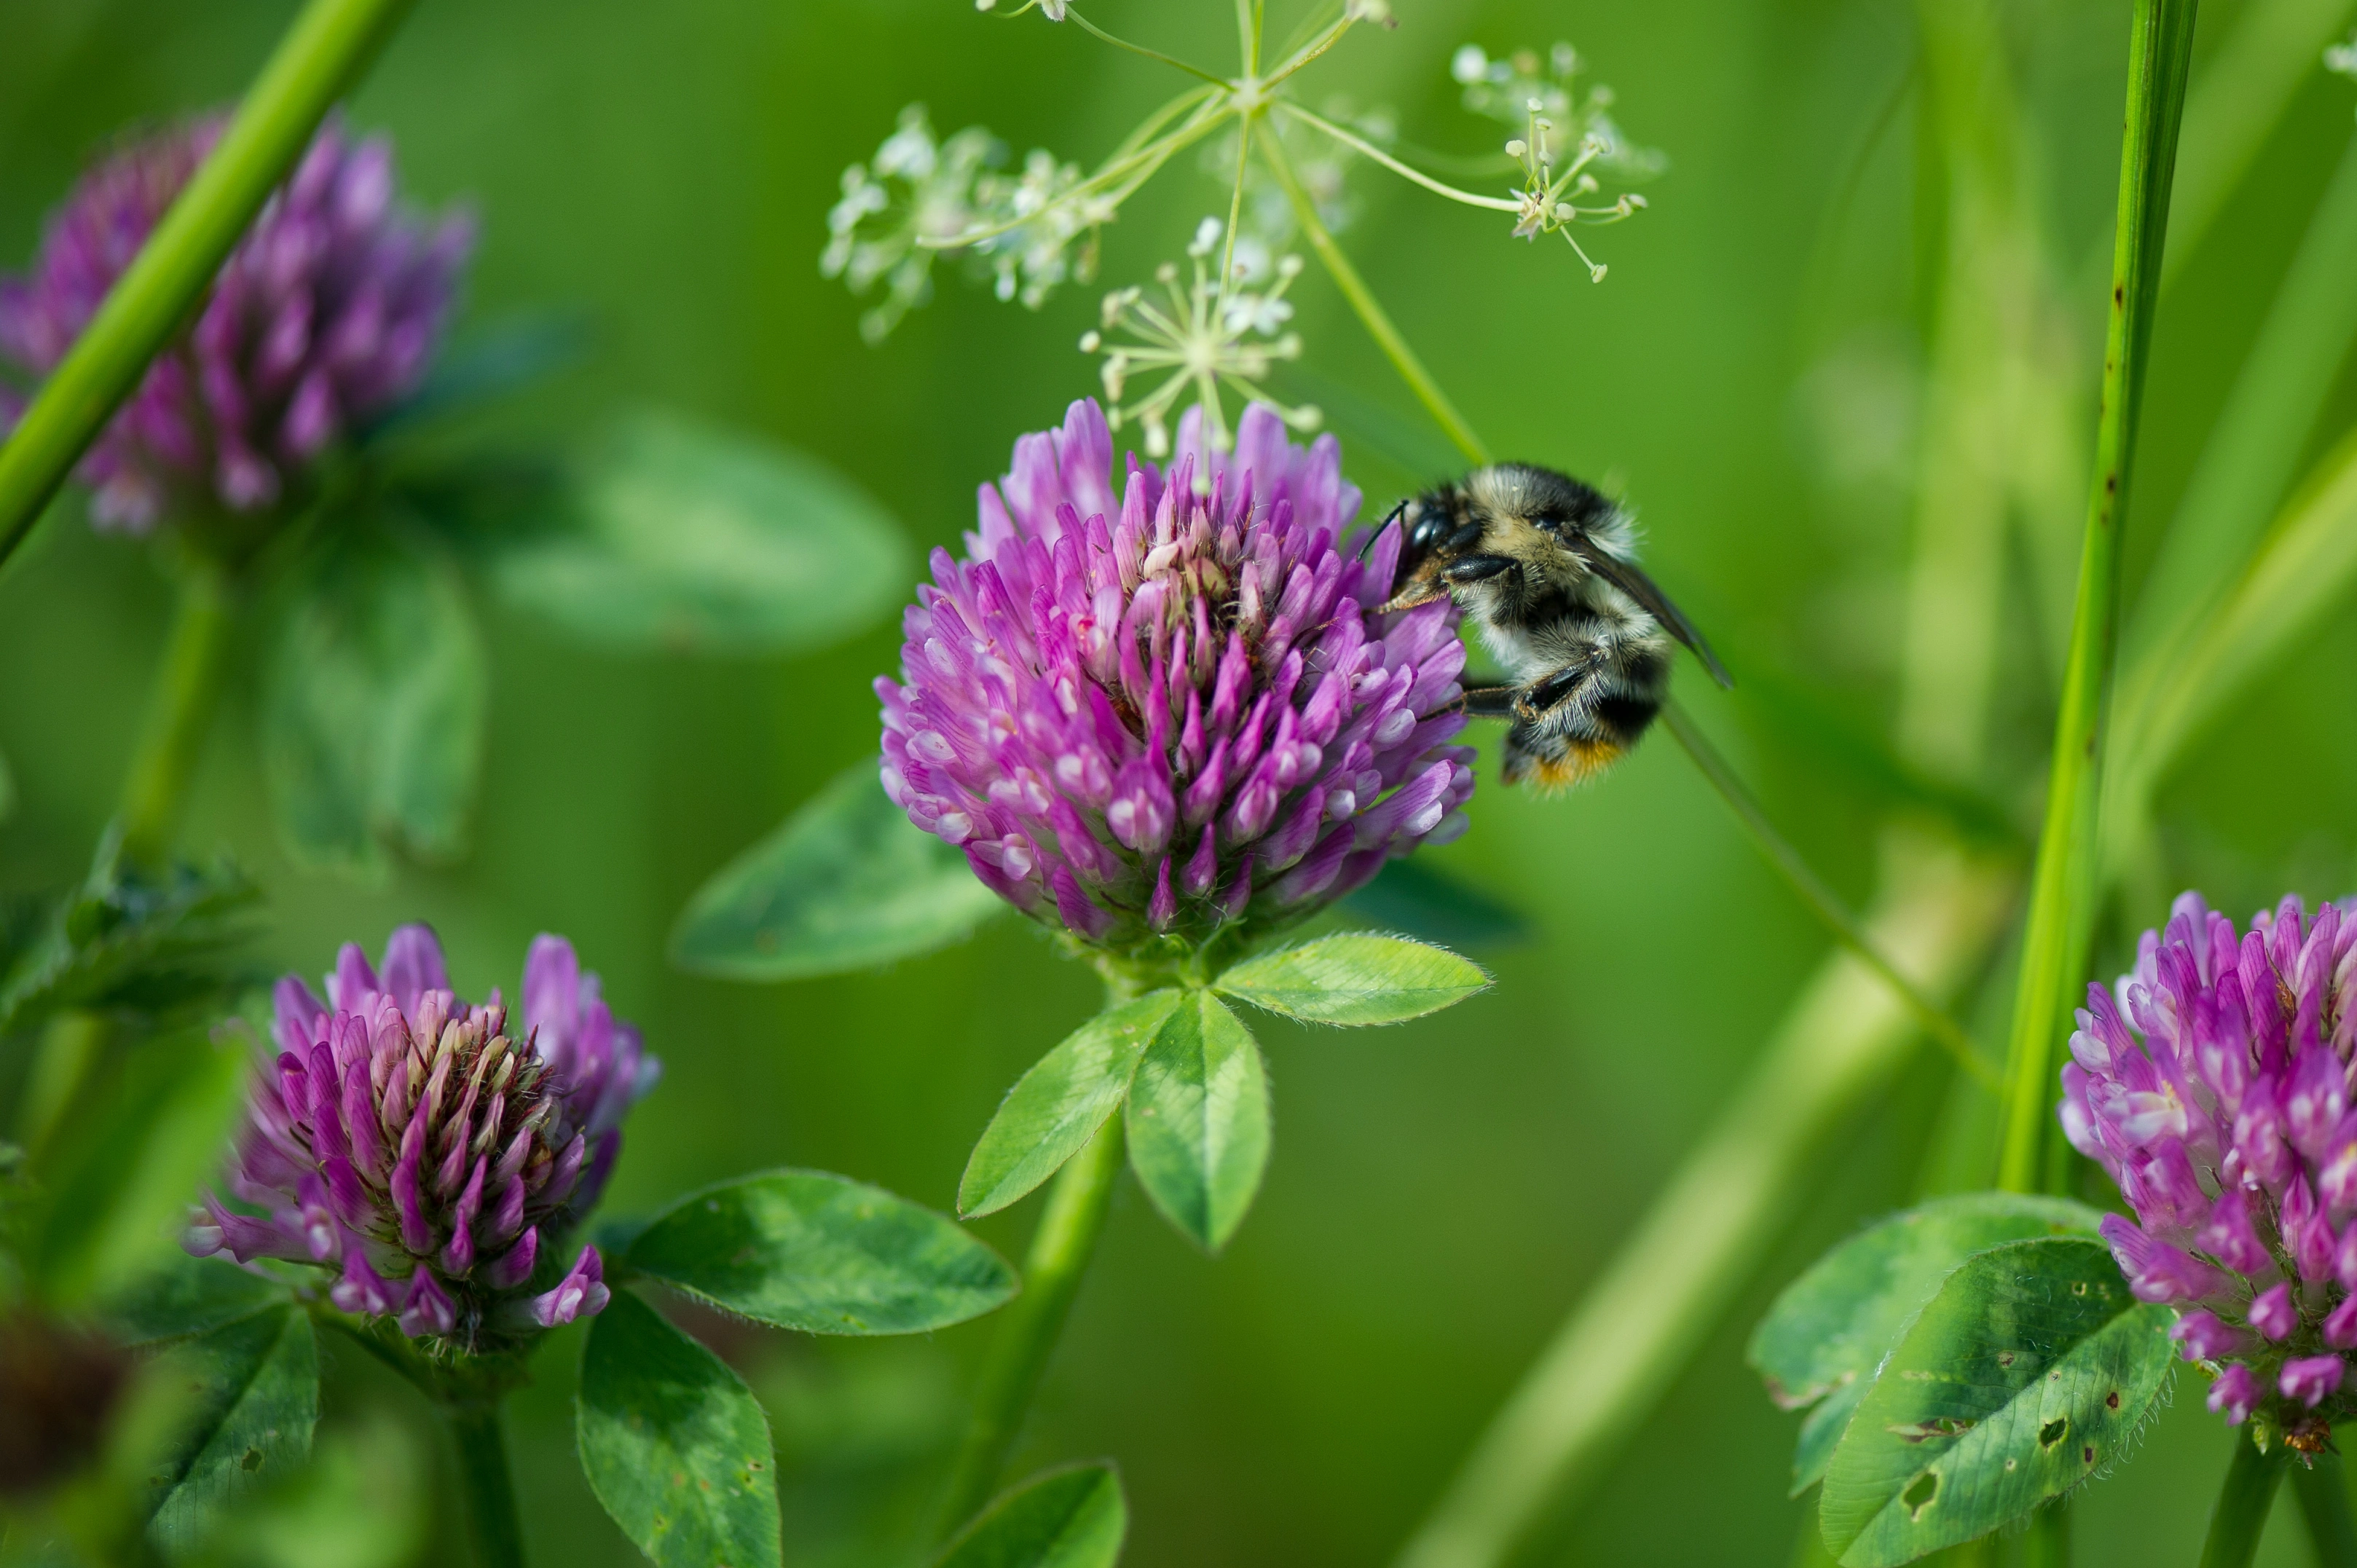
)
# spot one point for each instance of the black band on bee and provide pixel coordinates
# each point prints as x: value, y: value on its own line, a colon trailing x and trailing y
x: 1544, y: 566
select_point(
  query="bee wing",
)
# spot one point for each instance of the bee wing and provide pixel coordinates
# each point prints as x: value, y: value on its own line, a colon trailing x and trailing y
x: 1640, y: 587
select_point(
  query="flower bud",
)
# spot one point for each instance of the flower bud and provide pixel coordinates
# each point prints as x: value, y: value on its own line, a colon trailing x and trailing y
x: 406, y: 1139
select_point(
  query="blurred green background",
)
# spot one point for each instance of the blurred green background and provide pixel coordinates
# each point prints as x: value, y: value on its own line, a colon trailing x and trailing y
x: 1750, y: 375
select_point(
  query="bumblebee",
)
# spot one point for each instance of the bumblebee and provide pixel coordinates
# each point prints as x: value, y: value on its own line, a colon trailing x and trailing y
x: 1545, y: 567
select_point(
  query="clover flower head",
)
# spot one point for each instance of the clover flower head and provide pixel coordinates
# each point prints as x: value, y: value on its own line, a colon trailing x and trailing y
x: 2214, y: 1084
x: 1173, y: 713
x: 328, y: 311
x: 1204, y: 338
x: 409, y: 1140
x: 911, y: 201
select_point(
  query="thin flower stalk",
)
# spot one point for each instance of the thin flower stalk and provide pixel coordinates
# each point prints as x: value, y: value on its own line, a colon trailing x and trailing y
x: 2063, y: 884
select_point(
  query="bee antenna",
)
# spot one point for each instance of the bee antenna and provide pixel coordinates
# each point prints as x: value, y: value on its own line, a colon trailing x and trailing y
x: 1377, y: 531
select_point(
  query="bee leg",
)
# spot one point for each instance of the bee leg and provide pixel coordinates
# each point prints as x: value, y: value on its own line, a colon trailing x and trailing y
x: 1550, y: 691
x: 1488, y: 701
x: 1476, y: 568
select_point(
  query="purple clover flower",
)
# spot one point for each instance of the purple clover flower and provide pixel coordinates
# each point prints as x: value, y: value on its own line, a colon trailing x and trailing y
x: 402, y: 1136
x: 2214, y: 1087
x: 1175, y: 711
x: 327, y: 311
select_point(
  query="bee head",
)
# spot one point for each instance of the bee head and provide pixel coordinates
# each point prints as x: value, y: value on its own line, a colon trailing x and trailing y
x: 1437, y: 527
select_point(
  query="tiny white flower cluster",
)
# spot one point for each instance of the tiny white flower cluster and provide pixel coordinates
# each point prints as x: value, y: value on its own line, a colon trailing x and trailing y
x: 1052, y: 9
x: 2341, y: 59
x: 1206, y: 337
x: 898, y: 209
x: 1545, y: 99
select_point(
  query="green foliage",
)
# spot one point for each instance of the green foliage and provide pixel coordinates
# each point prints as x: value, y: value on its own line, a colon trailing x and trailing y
x: 1057, y: 1107
x: 117, y: 1180
x: 845, y: 883
x: 674, y: 1443
x: 2026, y: 1374
x: 185, y: 1296
x: 1354, y: 977
x: 1070, y: 1518
x: 253, y: 1388
x: 154, y: 945
x: 682, y: 537
x: 1832, y: 1327
x: 822, y: 1253
x: 1199, y: 1119
x: 372, y: 701
x: 1418, y: 898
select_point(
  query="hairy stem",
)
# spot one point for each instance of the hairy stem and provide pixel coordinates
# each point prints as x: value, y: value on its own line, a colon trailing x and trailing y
x: 2240, y: 1517
x: 2063, y: 887
x: 2321, y: 1487
x: 1363, y: 301
x: 484, y: 1478
x: 1030, y: 1327
x: 180, y: 713
x: 319, y: 57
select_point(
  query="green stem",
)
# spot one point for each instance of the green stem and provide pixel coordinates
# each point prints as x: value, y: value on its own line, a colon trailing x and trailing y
x: 1102, y: 37
x: 2063, y: 887
x: 1370, y: 314
x: 320, y: 56
x: 180, y: 713
x: 488, y: 1487
x: 1030, y: 1325
x: 1822, y: 900
x: 2321, y: 1487
x: 2241, y: 1515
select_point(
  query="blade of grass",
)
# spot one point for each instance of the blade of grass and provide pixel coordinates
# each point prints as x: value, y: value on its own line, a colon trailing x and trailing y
x: 2306, y: 568
x: 2241, y: 97
x: 2062, y: 884
x: 2250, y: 458
x: 330, y: 42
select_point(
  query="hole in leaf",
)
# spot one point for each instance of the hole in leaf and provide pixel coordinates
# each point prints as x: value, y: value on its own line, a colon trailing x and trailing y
x: 2078, y: 1287
x: 2051, y: 1433
x: 2087, y: 1455
x: 2005, y: 1358
x: 251, y: 1460
x: 2112, y: 1399
x: 1919, y: 1493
